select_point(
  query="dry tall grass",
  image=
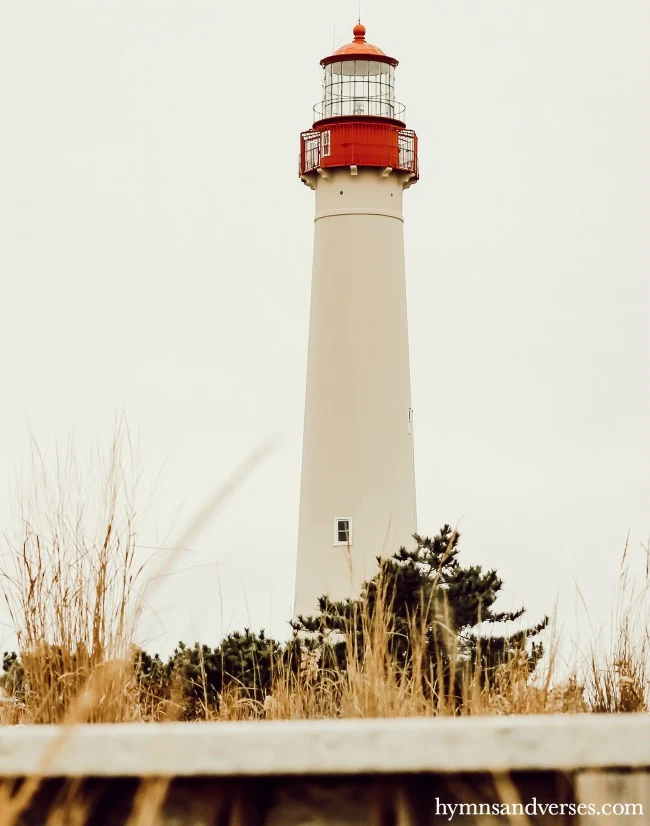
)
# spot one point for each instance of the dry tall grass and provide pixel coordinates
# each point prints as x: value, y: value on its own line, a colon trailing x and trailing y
x: 69, y: 578
x: 72, y: 578
x: 619, y: 663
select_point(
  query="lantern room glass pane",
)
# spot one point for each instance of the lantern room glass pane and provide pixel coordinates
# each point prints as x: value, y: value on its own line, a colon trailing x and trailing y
x: 358, y: 87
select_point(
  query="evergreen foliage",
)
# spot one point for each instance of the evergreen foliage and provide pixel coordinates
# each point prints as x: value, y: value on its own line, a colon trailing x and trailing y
x: 193, y: 678
x: 436, y: 616
x: 433, y: 602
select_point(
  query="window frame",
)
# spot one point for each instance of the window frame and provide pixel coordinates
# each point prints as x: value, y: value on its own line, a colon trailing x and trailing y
x: 337, y: 542
x: 325, y: 143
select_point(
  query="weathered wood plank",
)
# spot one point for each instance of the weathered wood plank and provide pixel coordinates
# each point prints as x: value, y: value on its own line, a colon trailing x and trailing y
x: 329, y: 747
x: 614, y: 794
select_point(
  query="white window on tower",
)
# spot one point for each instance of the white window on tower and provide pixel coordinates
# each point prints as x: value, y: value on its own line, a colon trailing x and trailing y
x: 410, y: 420
x: 325, y: 143
x: 342, y: 531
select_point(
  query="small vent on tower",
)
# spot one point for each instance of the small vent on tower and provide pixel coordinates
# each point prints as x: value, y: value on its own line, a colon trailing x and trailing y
x: 410, y: 420
x: 342, y: 531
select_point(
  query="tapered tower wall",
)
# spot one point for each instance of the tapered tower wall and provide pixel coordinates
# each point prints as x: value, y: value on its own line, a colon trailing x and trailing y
x: 358, y: 444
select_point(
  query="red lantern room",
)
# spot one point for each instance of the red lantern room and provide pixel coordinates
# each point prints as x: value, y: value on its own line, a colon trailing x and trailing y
x: 358, y: 122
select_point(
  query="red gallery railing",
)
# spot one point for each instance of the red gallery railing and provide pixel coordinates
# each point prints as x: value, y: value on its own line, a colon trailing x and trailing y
x: 350, y: 143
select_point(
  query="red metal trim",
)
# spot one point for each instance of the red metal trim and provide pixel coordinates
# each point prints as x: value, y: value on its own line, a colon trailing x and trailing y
x: 365, y: 55
x: 380, y: 143
x: 318, y: 124
x: 358, y: 48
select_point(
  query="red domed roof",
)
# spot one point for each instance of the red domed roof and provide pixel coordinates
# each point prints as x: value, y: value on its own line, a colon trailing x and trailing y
x: 358, y: 49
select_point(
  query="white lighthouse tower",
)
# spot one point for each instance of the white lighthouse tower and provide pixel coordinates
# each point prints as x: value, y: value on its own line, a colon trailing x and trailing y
x: 357, y: 498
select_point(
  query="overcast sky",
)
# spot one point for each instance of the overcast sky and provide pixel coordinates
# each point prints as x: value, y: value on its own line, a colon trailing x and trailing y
x: 155, y: 259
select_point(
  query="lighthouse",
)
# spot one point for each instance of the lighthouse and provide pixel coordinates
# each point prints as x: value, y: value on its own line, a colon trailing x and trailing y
x: 357, y: 496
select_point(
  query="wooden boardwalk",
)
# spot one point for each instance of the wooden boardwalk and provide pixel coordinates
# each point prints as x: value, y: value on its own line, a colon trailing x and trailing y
x: 410, y: 772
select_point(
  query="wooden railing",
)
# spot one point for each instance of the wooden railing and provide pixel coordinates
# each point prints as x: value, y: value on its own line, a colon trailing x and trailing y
x: 410, y: 772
